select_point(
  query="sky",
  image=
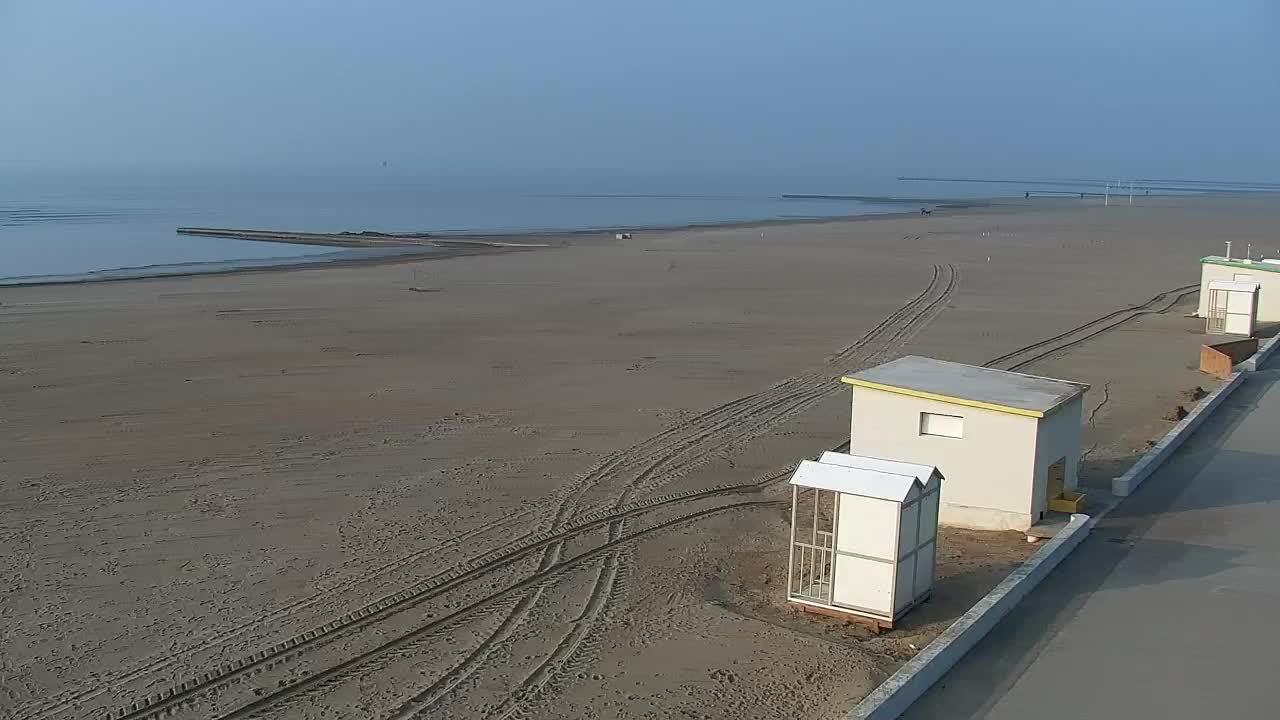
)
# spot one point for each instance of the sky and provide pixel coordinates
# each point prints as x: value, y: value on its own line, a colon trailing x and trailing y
x: 1096, y: 88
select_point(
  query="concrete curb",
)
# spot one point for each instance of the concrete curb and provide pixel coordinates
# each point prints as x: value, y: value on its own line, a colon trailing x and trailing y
x: 1258, y: 358
x: 904, y: 687
x: 1124, y: 485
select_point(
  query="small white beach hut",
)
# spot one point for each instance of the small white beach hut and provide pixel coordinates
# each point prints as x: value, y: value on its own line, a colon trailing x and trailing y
x: 863, y: 536
x: 1231, y: 308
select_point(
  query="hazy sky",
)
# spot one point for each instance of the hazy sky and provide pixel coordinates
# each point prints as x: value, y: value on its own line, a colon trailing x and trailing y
x: 1091, y: 87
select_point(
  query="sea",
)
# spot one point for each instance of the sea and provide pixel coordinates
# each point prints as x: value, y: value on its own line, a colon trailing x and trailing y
x: 65, y: 227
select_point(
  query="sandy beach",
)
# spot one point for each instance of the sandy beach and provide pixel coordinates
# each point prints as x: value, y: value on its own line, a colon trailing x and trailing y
x: 541, y: 484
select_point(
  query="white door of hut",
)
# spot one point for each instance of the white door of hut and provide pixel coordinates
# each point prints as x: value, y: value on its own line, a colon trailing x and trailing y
x: 1240, y: 310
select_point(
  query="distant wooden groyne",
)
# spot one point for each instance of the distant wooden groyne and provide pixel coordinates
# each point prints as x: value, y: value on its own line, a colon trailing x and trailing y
x: 366, y: 239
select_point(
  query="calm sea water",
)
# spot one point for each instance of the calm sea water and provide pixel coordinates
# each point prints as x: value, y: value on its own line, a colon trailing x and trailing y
x: 53, y: 226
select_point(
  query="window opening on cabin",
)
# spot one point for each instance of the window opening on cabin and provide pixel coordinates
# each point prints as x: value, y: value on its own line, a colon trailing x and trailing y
x: 951, y: 426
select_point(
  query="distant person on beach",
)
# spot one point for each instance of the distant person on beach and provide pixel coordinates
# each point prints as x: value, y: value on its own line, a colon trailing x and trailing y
x: 925, y: 211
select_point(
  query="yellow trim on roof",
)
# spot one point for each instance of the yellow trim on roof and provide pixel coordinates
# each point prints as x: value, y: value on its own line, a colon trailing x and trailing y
x: 943, y: 398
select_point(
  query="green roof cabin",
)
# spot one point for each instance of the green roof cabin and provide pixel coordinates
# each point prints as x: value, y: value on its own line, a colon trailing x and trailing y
x: 1265, y: 273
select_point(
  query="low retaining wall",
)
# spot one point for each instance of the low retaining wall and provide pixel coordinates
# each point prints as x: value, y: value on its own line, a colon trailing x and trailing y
x: 1220, y: 359
x: 904, y: 687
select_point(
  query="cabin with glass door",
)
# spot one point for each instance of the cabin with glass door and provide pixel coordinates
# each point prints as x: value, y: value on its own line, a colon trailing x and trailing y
x: 1263, y: 273
x: 863, y: 537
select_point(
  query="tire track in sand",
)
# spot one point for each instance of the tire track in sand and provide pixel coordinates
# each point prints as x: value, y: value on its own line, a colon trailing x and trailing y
x: 404, y: 643
x: 769, y: 408
x: 170, y: 699
x: 68, y: 699
x: 649, y: 457
x: 1029, y: 354
x: 689, y: 434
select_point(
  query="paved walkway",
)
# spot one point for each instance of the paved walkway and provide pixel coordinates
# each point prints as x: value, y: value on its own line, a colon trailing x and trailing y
x: 1169, y: 610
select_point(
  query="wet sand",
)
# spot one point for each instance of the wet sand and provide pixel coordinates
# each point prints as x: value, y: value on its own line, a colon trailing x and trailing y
x: 545, y: 484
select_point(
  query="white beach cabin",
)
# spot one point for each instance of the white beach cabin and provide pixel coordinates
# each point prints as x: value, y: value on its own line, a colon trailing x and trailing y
x: 1265, y: 273
x: 1008, y: 443
x: 1231, y: 308
x: 863, y: 536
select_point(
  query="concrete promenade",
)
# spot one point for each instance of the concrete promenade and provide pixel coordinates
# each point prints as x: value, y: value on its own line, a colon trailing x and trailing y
x: 1170, y: 609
